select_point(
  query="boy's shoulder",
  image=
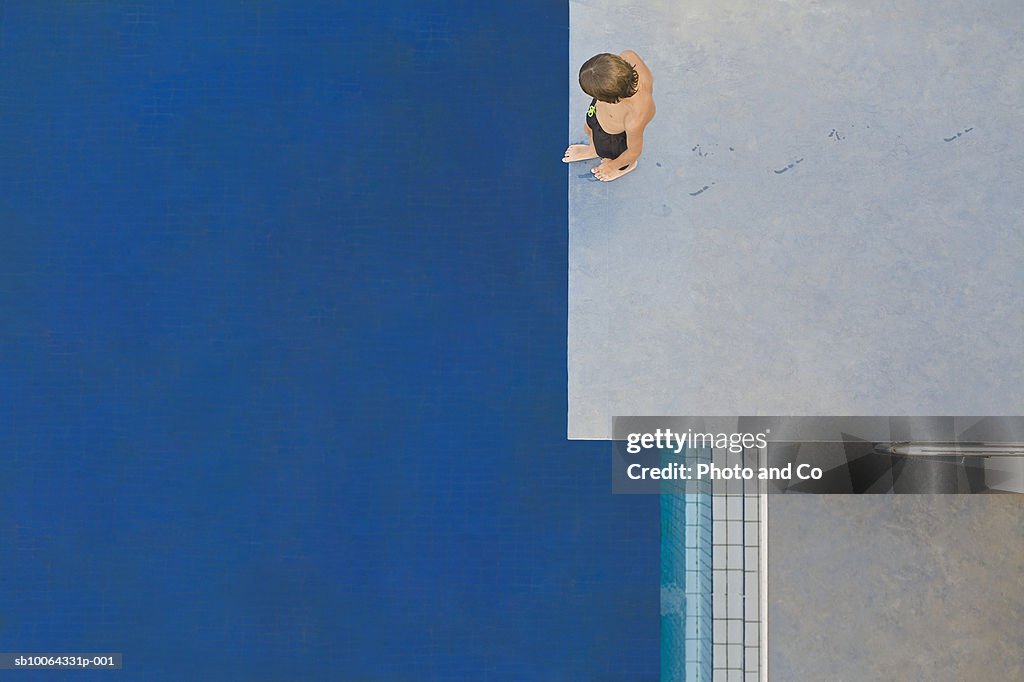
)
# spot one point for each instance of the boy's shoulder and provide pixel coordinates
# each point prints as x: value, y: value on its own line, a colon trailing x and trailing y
x: 635, y: 59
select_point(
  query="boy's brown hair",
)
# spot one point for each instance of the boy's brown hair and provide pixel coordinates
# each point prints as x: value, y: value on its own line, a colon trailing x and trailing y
x: 608, y: 77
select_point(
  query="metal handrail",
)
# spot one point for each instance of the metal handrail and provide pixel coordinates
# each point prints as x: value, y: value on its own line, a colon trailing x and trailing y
x: 950, y: 449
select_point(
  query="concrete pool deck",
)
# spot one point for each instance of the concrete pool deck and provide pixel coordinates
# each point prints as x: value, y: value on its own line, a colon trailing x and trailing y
x: 827, y: 217
x: 916, y: 587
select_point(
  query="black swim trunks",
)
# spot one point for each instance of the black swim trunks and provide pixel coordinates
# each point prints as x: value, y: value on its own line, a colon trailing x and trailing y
x: 606, y: 145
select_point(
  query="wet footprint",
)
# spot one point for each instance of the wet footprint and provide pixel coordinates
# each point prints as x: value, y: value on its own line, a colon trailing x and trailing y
x: 701, y: 152
x: 962, y: 132
x: 788, y: 166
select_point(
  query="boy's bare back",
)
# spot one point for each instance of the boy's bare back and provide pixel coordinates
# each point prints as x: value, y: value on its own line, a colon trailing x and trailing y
x: 632, y: 112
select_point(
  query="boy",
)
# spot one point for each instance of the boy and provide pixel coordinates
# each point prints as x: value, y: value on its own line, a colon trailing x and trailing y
x: 623, y: 105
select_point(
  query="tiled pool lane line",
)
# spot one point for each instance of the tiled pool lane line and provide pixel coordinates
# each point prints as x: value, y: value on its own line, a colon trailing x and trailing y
x: 714, y: 581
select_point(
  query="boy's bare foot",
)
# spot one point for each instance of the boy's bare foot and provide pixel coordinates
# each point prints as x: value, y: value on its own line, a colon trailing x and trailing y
x: 605, y: 174
x: 579, y: 152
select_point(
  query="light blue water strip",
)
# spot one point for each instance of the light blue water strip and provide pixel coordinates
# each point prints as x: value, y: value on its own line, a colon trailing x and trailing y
x: 686, y: 582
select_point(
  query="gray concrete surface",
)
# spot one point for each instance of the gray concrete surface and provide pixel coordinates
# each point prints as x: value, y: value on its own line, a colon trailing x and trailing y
x: 806, y: 232
x: 909, y: 587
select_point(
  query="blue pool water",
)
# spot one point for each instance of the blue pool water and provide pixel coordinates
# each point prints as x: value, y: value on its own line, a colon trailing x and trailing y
x: 283, y: 349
